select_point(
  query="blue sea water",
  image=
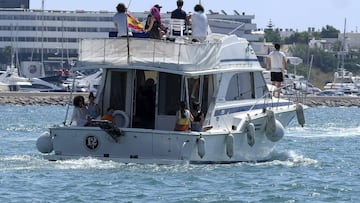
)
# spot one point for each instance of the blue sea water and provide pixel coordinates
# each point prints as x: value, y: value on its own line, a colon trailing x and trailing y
x: 317, y: 163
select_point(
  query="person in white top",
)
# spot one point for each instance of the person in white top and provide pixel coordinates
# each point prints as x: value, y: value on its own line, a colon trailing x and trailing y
x: 120, y: 21
x: 276, y: 63
x: 199, y: 24
x: 79, y: 116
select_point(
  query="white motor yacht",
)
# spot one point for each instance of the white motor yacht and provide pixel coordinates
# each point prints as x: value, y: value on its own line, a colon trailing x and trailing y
x: 144, y: 80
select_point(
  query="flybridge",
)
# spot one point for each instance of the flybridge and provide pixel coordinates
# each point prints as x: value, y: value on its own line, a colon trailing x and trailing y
x: 179, y: 55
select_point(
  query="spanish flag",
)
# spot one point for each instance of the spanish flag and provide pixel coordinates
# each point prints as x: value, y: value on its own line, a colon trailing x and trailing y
x: 134, y: 23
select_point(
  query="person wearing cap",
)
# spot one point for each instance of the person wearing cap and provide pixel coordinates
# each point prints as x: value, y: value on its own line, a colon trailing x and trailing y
x: 120, y: 21
x: 162, y: 26
x: 158, y: 6
x: 199, y: 24
x: 153, y: 23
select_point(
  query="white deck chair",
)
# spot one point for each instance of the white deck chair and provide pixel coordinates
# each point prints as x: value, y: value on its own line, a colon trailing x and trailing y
x: 177, y: 26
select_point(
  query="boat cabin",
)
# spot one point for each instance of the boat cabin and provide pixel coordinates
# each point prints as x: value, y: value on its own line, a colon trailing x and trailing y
x: 146, y: 87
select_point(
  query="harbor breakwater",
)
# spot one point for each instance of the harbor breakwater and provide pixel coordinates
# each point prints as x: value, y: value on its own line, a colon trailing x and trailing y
x: 38, y: 98
x: 63, y: 98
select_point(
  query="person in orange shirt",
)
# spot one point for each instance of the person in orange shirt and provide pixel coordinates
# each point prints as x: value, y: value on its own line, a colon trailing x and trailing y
x: 108, y: 115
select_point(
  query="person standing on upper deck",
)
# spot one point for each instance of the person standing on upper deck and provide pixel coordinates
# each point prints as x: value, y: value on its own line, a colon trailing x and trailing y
x: 276, y: 63
x: 199, y: 24
x: 121, y: 22
x: 179, y: 13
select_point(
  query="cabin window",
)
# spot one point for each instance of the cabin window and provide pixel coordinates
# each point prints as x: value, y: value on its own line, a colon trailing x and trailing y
x: 260, y: 85
x: 198, y: 88
x: 118, y: 90
x: 240, y: 87
x: 169, y: 93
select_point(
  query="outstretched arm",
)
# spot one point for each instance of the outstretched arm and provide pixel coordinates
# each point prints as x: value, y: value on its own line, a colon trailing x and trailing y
x: 284, y: 64
x: 268, y: 63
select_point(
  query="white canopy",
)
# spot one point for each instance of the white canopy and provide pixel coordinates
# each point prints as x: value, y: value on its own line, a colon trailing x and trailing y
x: 160, y: 53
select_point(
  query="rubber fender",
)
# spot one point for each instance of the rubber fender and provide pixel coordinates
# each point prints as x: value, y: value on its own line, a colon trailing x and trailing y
x: 300, y: 114
x: 270, y: 122
x: 44, y: 143
x: 230, y: 145
x: 201, y: 147
x: 250, y: 134
x: 278, y: 134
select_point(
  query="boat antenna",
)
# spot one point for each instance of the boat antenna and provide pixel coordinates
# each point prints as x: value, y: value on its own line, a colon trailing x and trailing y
x: 127, y: 35
x: 70, y: 96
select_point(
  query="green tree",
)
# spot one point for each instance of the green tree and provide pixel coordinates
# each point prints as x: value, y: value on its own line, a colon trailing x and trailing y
x: 298, y: 37
x: 329, y: 32
x: 325, y: 61
x: 272, y: 36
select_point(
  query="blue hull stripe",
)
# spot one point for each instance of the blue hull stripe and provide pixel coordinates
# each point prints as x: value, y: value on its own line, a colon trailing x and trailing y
x: 220, y: 112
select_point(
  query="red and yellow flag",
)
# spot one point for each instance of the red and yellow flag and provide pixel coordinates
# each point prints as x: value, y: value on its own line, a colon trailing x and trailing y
x: 134, y: 23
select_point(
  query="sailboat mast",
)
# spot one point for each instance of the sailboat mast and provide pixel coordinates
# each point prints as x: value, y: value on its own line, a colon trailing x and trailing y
x: 42, y: 31
x: 344, y: 48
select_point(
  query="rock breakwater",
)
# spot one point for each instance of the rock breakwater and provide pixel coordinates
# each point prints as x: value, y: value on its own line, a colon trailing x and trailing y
x: 331, y: 101
x: 37, y: 98
x: 62, y: 98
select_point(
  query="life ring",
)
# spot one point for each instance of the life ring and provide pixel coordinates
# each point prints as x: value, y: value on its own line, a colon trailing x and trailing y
x: 121, y: 116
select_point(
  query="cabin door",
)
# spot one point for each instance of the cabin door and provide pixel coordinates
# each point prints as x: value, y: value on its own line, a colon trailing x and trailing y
x: 144, y: 99
x: 169, y: 97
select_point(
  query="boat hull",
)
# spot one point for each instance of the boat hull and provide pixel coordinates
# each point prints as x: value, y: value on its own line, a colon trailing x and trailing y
x: 164, y: 147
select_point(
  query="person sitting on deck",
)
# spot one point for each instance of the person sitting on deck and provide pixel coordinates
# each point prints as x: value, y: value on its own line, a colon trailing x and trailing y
x: 79, y: 116
x: 92, y: 108
x: 199, y: 24
x: 108, y: 115
x: 198, y: 120
x: 153, y: 24
x: 183, y: 118
x: 179, y: 13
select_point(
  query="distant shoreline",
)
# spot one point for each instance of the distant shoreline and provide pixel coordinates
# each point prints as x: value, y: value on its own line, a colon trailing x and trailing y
x: 63, y: 98
x: 38, y: 98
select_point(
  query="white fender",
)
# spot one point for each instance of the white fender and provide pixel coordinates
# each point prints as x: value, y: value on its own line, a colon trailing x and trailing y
x: 300, y: 114
x: 278, y: 134
x: 44, y: 143
x: 270, y: 122
x: 250, y: 133
x: 230, y: 145
x: 121, y: 119
x: 201, y: 147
